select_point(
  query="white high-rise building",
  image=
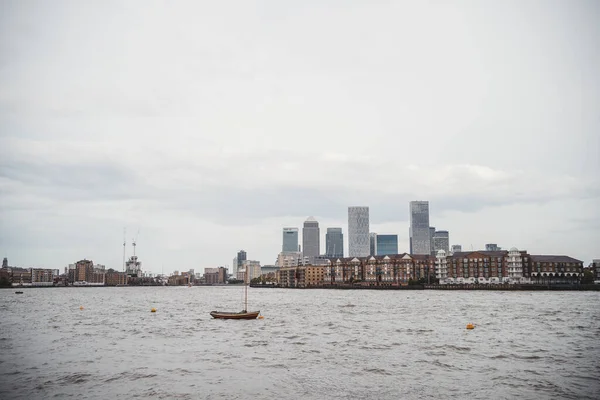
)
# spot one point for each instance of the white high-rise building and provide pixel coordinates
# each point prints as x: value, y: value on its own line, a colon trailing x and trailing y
x: 311, y: 242
x: 420, y: 236
x: 358, y: 232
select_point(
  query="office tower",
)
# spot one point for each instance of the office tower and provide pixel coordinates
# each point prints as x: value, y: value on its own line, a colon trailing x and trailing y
x: 334, y: 243
x: 372, y: 244
x: 420, y: 237
x: 311, y: 243
x: 441, y: 241
x: 456, y: 248
x: 290, y: 239
x: 387, y: 244
x: 241, y: 257
x: 358, y: 231
x: 492, y: 247
x: 431, y: 244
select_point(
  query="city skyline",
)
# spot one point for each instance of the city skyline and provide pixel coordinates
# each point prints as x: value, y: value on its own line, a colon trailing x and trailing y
x: 212, y: 143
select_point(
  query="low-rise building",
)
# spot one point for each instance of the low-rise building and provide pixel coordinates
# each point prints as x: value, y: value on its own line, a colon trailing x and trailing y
x: 547, y: 269
x: 42, y: 277
x: 215, y: 275
x: 114, y: 278
x: 596, y: 270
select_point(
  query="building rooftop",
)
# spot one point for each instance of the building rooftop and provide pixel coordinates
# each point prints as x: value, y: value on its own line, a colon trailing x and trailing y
x: 554, y: 259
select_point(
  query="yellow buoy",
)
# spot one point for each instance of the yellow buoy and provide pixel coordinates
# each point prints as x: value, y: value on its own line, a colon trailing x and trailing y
x: 153, y: 310
x: 470, y: 326
x: 81, y: 307
x: 261, y: 317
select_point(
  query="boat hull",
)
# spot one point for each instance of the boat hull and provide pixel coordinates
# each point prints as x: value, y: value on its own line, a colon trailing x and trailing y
x: 233, y: 315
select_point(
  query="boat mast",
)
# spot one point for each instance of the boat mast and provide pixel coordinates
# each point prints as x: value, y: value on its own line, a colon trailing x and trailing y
x: 246, y: 290
x: 124, y: 244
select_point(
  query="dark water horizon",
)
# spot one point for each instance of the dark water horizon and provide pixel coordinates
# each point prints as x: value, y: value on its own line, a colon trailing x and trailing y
x: 315, y: 344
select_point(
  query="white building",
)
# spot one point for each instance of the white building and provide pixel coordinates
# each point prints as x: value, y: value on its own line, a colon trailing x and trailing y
x: 250, y: 269
x: 291, y: 259
x: 515, y: 267
x: 441, y: 267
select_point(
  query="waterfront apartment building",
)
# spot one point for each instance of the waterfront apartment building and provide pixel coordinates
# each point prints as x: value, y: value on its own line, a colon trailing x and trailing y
x: 513, y: 266
x: 419, y: 232
x: 215, y: 275
x: 85, y: 273
x: 114, y: 278
x: 475, y: 267
x: 301, y: 276
x: 290, y: 259
x: 334, y: 243
x: 42, y: 277
x: 290, y: 240
x: 387, y: 244
x: 358, y: 231
x: 311, y: 243
x: 441, y: 241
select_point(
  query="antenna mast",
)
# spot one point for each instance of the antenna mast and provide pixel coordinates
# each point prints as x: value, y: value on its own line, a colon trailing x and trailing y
x: 134, y: 241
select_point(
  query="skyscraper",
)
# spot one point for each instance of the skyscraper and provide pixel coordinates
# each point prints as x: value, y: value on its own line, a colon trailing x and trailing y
x: 420, y: 238
x: 373, y: 244
x: 456, y: 248
x: 358, y: 231
x: 387, y: 244
x: 241, y: 257
x: 334, y: 243
x: 290, y: 239
x: 431, y: 243
x: 492, y: 247
x: 311, y: 243
x: 441, y: 241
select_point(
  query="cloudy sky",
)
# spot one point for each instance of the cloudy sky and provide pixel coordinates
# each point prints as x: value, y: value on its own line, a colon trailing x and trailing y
x: 209, y: 126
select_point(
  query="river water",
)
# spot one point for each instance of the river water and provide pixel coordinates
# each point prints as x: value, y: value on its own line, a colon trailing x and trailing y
x: 311, y: 344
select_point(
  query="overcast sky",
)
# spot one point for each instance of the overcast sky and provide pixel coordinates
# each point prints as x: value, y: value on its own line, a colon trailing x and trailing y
x: 209, y: 126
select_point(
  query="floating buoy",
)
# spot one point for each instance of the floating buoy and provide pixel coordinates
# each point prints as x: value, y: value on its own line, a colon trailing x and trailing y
x: 261, y: 317
x: 153, y: 310
x: 470, y: 326
x: 81, y: 307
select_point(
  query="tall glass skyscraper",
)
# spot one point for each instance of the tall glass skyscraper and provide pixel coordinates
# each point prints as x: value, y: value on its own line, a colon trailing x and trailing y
x: 311, y: 243
x: 358, y: 231
x: 420, y: 238
x: 334, y: 243
x: 373, y: 243
x: 290, y: 239
x: 387, y: 244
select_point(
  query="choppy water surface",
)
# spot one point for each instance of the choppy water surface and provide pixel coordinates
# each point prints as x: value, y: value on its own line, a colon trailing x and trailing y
x: 312, y: 344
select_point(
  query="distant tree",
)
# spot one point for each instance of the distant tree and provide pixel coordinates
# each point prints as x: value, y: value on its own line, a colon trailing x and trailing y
x: 588, y: 276
x: 234, y: 281
x: 256, y: 280
x: 4, y: 282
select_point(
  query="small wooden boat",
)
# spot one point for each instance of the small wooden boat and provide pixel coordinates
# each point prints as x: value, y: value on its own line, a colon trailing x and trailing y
x: 18, y: 292
x: 237, y: 315
x: 233, y: 315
